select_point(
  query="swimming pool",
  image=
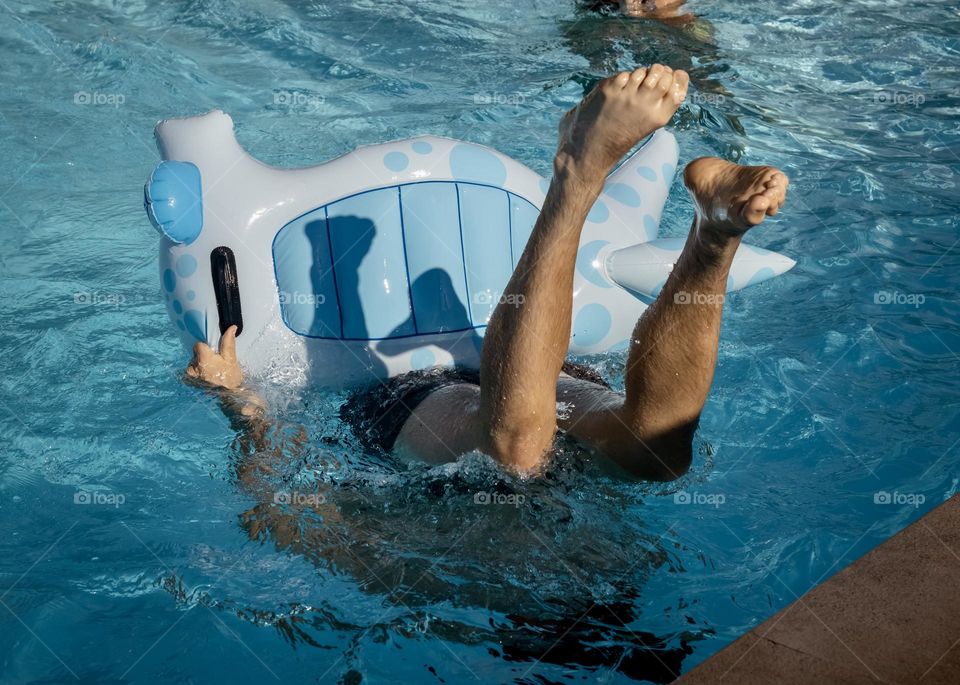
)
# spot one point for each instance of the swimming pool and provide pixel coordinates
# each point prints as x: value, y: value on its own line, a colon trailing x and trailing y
x: 130, y: 554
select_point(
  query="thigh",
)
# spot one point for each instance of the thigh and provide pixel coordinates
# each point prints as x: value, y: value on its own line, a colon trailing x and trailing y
x: 587, y: 411
x: 444, y: 425
x: 593, y: 415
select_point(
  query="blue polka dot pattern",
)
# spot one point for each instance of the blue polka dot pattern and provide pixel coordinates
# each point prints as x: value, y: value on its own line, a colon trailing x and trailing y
x: 761, y: 275
x: 191, y: 295
x: 177, y: 307
x: 647, y: 173
x: 422, y: 147
x: 586, y: 257
x: 180, y: 325
x: 396, y: 161
x: 668, y: 170
x: 658, y: 287
x: 422, y: 359
x: 591, y: 325
x: 169, y: 280
x: 650, y: 226
x: 623, y: 194
x: 599, y: 213
x: 195, y: 323
x: 186, y: 265
x: 471, y: 163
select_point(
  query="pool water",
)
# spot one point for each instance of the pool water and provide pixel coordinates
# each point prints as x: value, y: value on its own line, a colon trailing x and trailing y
x: 130, y: 552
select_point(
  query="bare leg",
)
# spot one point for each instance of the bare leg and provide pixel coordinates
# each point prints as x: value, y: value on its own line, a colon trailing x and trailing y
x: 513, y: 415
x: 674, y: 351
x: 525, y: 345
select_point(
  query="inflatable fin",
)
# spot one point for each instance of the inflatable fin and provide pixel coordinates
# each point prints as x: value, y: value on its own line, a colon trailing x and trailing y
x: 644, y: 268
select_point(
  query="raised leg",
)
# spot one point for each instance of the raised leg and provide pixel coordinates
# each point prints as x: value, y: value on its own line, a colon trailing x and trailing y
x: 513, y: 415
x: 529, y: 333
x: 674, y: 351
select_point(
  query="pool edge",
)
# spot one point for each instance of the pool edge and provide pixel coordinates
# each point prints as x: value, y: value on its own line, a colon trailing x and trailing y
x: 892, y: 616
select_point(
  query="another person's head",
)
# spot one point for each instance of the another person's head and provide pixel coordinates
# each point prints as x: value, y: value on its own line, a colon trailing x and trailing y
x: 652, y: 9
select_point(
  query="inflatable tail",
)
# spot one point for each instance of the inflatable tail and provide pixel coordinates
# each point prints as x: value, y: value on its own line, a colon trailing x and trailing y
x: 644, y: 268
x: 628, y: 253
x: 621, y: 263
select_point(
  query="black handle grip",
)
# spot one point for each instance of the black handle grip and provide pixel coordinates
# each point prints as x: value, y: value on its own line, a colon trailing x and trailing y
x: 226, y: 288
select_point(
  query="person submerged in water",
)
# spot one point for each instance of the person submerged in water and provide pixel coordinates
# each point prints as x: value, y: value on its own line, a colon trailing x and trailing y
x: 509, y: 410
x: 668, y: 10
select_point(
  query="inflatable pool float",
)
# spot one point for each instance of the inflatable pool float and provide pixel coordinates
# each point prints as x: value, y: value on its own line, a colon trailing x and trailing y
x: 394, y: 256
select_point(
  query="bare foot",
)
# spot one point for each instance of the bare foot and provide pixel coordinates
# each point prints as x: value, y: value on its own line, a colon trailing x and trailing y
x: 731, y: 199
x: 616, y: 115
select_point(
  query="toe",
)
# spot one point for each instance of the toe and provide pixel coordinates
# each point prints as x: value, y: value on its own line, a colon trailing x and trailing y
x: 665, y: 84
x: 654, y: 74
x: 776, y: 177
x: 773, y: 195
x: 756, y: 208
x: 636, y: 78
x: 621, y: 79
x: 681, y: 81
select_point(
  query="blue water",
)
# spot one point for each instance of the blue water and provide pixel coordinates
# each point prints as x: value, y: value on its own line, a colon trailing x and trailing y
x: 131, y: 554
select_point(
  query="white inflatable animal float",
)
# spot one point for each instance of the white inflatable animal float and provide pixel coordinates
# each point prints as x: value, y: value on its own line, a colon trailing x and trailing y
x: 394, y: 256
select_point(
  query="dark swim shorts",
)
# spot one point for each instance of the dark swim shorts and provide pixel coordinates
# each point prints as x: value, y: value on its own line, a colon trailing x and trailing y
x: 376, y: 414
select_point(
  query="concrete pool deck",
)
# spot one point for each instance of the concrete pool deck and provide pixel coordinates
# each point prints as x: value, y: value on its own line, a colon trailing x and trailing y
x: 893, y: 616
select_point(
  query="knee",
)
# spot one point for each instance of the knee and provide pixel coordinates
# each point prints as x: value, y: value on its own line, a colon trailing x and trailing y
x: 523, y: 448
